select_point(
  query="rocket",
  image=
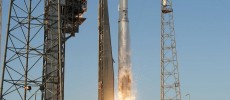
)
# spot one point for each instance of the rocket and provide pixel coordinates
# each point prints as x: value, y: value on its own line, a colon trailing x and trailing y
x: 123, y: 36
x: 124, y: 62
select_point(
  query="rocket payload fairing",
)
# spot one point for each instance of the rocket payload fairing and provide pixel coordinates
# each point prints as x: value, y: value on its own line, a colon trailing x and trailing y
x: 124, y: 61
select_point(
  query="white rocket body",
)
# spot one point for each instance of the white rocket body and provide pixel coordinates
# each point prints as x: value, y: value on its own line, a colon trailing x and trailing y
x: 124, y: 62
x: 124, y: 38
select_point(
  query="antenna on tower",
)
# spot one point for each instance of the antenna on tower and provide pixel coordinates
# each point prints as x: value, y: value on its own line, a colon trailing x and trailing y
x: 170, y: 83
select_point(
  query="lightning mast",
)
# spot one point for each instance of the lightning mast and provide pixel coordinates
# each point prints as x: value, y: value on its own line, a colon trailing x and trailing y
x: 105, y: 60
x: 170, y: 83
x: 34, y: 58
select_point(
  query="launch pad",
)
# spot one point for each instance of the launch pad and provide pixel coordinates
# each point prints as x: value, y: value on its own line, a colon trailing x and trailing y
x: 34, y: 55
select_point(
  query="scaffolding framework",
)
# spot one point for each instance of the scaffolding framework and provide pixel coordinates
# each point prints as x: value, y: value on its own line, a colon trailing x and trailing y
x: 170, y: 83
x: 34, y: 57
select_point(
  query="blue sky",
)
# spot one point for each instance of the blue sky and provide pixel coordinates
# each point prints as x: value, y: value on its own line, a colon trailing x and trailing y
x: 202, y: 34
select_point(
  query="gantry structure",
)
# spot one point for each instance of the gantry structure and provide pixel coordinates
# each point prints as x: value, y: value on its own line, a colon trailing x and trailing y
x: 105, y: 60
x: 170, y: 83
x: 34, y: 56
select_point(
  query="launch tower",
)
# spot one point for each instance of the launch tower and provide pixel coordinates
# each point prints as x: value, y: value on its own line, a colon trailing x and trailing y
x: 170, y: 83
x: 105, y: 60
x: 34, y: 58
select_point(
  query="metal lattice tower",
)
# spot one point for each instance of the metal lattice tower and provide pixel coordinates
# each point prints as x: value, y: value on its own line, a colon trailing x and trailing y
x: 170, y: 84
x: 33, y: 64
x: 105, y: 60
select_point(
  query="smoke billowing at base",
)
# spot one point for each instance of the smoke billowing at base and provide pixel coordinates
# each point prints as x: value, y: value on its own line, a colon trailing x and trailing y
x: 124, y: 72
x: 125, y: 91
